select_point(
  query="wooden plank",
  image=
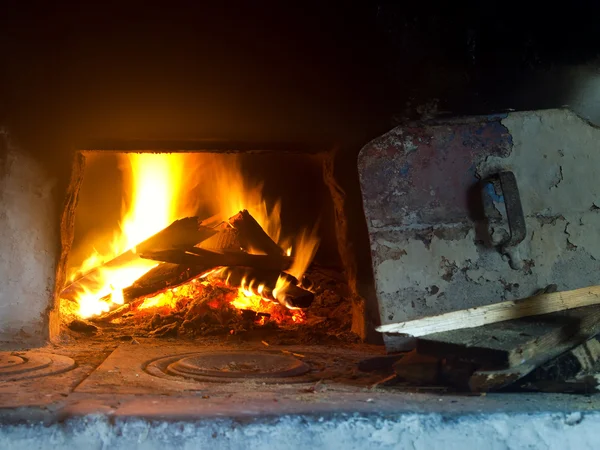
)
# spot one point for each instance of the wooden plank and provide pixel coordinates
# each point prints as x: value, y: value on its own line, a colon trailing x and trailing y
x: 576, y: 363
x: 498, y: 312
x: 561, y: 368
x: 530, y: 340
x: 418, y: 369
x: 494, y: 380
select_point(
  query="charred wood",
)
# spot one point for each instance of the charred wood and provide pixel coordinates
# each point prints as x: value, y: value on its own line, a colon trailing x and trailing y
x: 163, y: 276
x: 226, y: 239
x: 252, y: 236
x: 264, y: 283
x: 116, y: 313
x: 182, y: 233
x: 82, y: 327
x: 208, y: 259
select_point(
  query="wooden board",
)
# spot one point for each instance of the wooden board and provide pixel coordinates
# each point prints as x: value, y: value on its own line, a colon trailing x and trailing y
x: 576, y: 363
x: 565, y: 370
x: 498, y: 312
x: 513, y: 343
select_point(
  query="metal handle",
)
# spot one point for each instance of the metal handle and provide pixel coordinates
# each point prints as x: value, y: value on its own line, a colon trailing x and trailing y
x: 506, y: 240
x: 514, y: 209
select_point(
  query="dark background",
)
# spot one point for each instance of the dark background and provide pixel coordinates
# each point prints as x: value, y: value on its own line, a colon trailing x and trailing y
x: 332, y: 72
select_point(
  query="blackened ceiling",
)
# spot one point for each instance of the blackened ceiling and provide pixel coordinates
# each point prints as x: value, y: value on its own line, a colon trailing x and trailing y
x: 278, y: 71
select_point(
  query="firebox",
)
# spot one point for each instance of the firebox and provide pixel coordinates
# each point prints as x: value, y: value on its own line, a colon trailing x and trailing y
x: 189, y: 244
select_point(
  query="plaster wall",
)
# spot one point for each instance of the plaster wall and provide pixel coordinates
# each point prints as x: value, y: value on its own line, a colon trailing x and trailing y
x: 29, y: 247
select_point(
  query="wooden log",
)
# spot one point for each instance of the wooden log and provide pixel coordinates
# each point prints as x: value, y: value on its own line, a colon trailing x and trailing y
x: 164, y: 276
x: 207, y: 259
x: 252, y: 279
x: 226, y: 239
x: 252, y: 236
x: 295, y: 297
x: 118, y: 312
x: 182, y: 233
x: 498, y: 312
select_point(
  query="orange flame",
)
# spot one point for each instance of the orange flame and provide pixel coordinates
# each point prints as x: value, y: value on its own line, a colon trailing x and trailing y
x: 154, y: 198
x: 149, y: 206
x: 227, y: 192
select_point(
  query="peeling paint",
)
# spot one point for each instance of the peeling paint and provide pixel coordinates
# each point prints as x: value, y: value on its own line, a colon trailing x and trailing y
x: 586, y: 234
x: 429, y: 260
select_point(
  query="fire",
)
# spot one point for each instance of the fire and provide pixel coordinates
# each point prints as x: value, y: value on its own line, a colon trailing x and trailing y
x: 306, y: 247
x: 156, y: 192
x: 150, y: 205
x: 247, y: 300
x: 227, y: 192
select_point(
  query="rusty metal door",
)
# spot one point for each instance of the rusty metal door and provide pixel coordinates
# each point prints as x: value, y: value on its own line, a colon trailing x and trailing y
x: 478, y: 210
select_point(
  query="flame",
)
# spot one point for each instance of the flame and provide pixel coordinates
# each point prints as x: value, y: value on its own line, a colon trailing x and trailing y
x: 306, y: 246
x: 231, y: 192
x: 156, y: 181
x: 153, y: 198
x: 246, y: 299
x: 307, y: 243
x: 149, y: 205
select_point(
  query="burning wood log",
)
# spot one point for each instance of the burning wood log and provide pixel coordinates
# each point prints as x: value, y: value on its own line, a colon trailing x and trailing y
x: 264, y: 283
x: 118, y: 312
x: 207, y: 259
x: 227, y: 239
x: 252, y: 236
x: 182, y: 233
x: 161, y: 277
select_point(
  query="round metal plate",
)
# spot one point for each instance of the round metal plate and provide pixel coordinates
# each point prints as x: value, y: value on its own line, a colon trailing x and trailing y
x: 19, y: 366
x: 239, y: 365
x: 231, y: 367
x: 8, y: 361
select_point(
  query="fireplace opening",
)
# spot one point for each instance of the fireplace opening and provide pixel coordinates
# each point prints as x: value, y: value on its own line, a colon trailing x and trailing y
x: 195, y: 244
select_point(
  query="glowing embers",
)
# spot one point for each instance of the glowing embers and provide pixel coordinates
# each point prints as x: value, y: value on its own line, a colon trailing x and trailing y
x: 209, y: 295
x: 203, y: 306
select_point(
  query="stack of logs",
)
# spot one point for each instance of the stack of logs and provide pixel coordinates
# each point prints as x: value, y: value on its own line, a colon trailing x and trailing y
x: 190, y: 247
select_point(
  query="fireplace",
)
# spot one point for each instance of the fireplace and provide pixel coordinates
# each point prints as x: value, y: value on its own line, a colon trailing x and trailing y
x: 195, y: 243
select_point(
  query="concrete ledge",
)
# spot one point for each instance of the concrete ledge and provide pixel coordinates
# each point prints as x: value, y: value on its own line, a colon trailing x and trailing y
x: 348, y: 432
x: 373, y: 420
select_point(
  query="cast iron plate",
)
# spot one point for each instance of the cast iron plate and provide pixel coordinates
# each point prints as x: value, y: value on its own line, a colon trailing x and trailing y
x: 231, y: 366
x: 15, y: 366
